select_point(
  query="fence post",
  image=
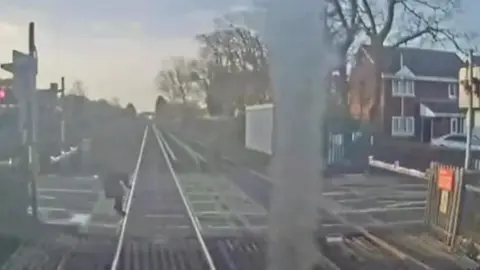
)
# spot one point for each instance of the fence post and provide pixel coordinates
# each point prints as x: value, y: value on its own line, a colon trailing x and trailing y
x: 452, y: 215
x: 459, y: 176
x: 430, y: 192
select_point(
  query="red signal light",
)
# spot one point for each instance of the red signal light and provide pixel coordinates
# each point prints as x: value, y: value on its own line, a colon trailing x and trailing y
x: 3, y: 94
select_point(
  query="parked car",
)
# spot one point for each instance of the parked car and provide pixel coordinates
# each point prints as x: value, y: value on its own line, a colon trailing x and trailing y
x: 456, y: 141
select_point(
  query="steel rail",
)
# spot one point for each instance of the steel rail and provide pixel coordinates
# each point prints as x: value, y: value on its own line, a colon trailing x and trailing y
x: 191, y: 216
x: 121, y: 237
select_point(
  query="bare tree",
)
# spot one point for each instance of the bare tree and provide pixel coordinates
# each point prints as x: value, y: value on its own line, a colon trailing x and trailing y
x: 343, y: 28
x: 181, y: 81
x: 237, y: 67
x: 78, y: 88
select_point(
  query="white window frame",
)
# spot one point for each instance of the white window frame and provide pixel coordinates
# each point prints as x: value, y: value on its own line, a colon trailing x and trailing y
x: 452, y: 90
x: 403, y: 126
x: 454, y: 125
x: 403, y: 88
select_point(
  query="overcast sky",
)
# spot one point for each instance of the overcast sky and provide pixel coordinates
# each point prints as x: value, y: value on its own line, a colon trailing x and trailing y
x: 115, y: 46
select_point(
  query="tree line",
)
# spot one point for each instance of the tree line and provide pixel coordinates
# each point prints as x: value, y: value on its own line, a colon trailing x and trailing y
x: 231, y: 70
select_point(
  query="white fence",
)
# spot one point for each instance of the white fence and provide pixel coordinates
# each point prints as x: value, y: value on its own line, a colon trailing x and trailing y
x: 259, y: 128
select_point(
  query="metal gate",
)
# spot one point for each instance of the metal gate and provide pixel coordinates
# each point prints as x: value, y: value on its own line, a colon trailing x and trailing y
x: 443, y: 202
x: 347, y: 146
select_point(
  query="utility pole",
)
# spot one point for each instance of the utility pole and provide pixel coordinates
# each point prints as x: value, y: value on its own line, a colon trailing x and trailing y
x: 33, y: 106
x: 62, y: 111
x: 471, y: 89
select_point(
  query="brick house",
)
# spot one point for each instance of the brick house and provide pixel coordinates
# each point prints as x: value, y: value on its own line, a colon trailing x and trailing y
x: 419, y: 98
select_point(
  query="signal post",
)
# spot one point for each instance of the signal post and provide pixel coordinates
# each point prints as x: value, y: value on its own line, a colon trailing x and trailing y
x: 24, y: 70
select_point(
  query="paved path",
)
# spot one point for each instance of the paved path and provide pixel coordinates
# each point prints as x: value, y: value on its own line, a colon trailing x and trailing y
x: 67, y: 200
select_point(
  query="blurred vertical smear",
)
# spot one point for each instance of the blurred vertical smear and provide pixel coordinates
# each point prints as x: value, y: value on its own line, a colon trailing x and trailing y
x: 298, y: 67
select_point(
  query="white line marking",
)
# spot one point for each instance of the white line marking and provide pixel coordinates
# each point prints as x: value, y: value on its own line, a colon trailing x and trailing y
x: 129, y: 203
x: 227, y: 213
x: 46, y: 197
x: 161, y: 139
x: 353, y: 200
x: 193, y: 218
x: 80, y: 218
x: 406, y: 204
x: 86, y: 178
x: 46, y: 209
x: 261, y: 175
x: 376, y: 210
x: 104, y: 225
x: 333, y: 193
x: 169, y: 227
x: 377, y: 225
x: 63, y: 190
x: 165, y: 216
x: 193, y: 153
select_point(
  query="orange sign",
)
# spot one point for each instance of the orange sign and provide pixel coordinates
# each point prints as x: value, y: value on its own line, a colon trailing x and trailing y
x: 445, y: 179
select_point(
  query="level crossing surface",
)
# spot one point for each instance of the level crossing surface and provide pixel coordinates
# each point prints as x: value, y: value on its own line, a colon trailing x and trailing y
x: 183, y: 215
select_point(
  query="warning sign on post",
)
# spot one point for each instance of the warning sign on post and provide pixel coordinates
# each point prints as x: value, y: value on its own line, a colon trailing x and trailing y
x: 445, y: 179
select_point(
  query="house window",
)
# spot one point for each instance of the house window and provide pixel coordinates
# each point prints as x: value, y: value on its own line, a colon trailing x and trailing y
x: 403, y: 126
x: 453, y: 90
x: 403, y: 87
x: 454, y: 125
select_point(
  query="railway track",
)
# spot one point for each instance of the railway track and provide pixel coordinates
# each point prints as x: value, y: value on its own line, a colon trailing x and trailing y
x: 161, y: 231
x: 158, y: 214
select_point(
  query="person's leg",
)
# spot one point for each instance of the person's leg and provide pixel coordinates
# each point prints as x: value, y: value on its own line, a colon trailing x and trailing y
x: 119, y: 205
x: 125, y: 178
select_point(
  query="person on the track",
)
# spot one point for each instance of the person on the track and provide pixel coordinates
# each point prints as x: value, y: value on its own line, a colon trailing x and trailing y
x: 112, y: 183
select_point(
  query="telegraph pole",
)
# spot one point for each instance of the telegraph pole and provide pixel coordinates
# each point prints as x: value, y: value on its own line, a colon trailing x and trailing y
x: 62, y: 111
x: 33, y: 151
x: 471, y: 88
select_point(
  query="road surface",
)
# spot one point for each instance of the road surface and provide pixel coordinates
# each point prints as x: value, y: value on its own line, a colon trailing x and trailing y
x: 67, y: 200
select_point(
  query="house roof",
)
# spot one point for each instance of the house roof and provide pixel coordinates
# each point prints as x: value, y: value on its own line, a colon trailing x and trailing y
x: 476, y: 60
x: 439, y: 109
x: 422, y: 62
